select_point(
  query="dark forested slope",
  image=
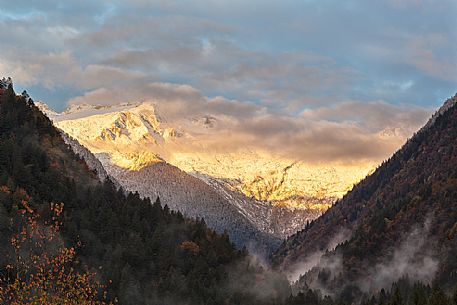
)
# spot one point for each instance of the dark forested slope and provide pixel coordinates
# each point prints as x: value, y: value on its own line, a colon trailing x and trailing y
x: 401, y: 220
x: 145, y: 253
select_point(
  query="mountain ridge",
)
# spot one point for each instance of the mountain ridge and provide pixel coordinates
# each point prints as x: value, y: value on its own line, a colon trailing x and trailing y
x: 410, y: 192
x: 152, y: 177
x: 278, y: 200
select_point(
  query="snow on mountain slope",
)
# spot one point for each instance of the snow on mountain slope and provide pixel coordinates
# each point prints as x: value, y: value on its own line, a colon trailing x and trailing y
x: 150, y: 176
x: 193, y: 198
x: 275, y: 194
x: 279, y: 221
x: 271, y: 178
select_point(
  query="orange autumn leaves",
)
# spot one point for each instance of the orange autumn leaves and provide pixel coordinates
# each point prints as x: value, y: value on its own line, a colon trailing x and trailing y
x: 190, y: 246
x: 42, y: 270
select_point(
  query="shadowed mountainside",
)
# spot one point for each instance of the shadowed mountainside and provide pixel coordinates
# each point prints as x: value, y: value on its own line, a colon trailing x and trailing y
x: 401, y: 220
x: 145, y: 253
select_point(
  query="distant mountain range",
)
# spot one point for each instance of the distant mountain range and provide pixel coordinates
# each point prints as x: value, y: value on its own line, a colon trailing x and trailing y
x: 258, y: 198
x: 399, y: 221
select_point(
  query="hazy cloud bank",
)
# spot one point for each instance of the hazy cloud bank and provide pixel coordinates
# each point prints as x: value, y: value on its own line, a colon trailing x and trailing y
x: 316, y: 81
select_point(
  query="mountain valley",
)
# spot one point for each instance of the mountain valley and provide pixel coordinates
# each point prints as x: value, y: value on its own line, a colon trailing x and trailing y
x: 228, y: 152
x: 396, y: 227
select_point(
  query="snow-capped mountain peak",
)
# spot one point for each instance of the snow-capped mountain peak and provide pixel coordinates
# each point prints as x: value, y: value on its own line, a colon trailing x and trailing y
x: 276, y: 194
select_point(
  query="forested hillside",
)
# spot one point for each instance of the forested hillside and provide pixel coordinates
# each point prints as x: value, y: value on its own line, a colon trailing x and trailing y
x: 104, y: 245
x: 144, y: 253
x: 401, y: 220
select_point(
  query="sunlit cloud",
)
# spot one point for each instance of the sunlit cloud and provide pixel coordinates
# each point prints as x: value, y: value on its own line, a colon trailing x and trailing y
x: 319, y: 80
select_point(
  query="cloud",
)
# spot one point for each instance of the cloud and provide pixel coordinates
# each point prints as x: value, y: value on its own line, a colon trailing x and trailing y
x: 374, y: 116
x: 349, y: 132
x: 346, y: 132
x: 234, y: 50
x: 174, y: 97
x: 262, y: 283
x: 303, y: 85
x: 21, y: 73
x: 63, y: 70
x: 317, y: 259
x: 426, y: 57
x: 411, y: 258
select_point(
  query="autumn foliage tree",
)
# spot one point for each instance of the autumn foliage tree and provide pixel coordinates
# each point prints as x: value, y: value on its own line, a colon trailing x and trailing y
x: 41, y: 269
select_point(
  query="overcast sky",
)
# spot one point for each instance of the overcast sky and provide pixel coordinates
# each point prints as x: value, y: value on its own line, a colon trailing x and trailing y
x: 375, y: 65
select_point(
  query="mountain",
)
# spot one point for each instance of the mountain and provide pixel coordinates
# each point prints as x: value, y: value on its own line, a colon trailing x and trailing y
x: 399, y: 221
x: 270, y: 194
x: 196, y: 199
x: 92, y: 162
x: 143, y: 252
x: 150, y: 176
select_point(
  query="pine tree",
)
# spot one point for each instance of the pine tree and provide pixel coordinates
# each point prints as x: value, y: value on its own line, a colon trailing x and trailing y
x: 396, y: 298
x: 419, y: 295
x: 438, y: 297
x: 454, y: 297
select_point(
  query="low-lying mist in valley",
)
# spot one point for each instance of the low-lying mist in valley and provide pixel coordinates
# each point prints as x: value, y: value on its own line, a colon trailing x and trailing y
x: 316, y: 258
x: 412, y: 257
